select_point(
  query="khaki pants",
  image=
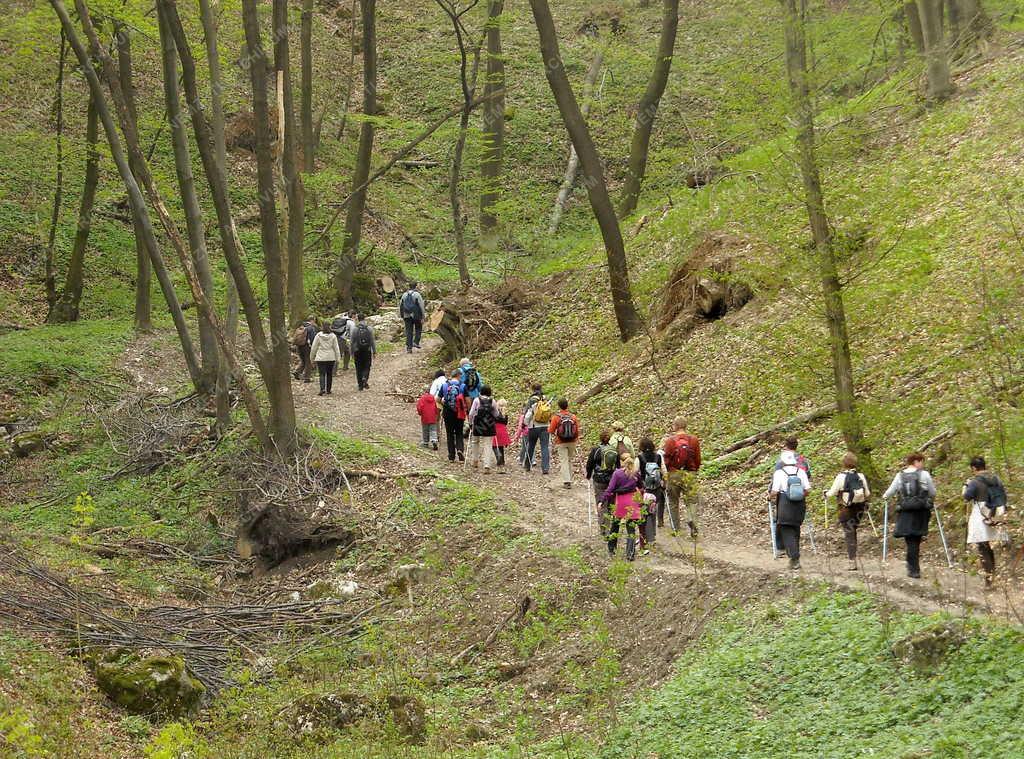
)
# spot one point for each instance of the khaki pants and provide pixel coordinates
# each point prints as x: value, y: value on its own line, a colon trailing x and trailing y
x: 682, y: 485
x: 565, y: 453
x: 481, y: 448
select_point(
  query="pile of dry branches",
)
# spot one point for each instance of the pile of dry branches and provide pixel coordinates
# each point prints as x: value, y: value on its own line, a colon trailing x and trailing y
x: 476, y: 320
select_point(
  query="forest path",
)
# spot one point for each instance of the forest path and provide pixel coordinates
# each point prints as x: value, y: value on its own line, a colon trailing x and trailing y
x: 383, y: 415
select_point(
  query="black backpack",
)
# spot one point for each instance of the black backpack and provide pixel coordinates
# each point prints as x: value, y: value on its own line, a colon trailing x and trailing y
x: 607, y: 460
x: 471, y: 378
x: 410, y: 306
x: 913, y: 496
x: 995, y: 493
x: 338, y: 327
x: 567, y: 430
x: 851, y: 486
x: 363, y: 337
x: 484, y: 423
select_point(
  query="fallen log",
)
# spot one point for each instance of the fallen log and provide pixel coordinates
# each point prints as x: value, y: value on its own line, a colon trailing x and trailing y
x: 944, y: 435
x: 757, y: 437
x: 608, y: 383
x: 517, y: 614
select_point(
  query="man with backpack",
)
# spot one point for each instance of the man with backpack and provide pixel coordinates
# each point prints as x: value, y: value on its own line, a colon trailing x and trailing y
x: 651, y: 465
x: 339, y: 326
x: 412, y: 310
x: 364, y: 348
x: 565, y: 426
x: 682, y: 461
x: 537, y: 416
x: 602, y: 461
x: 851, y: 489
x: 302, y: 338
x: 453, y: 412
x: 987, y: 496
x: 916, y: 492
x: 483, y: 423
x: 788, y: 493
x: 471, y: 379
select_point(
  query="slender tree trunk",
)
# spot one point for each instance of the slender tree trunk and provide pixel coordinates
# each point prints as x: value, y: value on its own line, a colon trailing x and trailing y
x: 50, y: 282
x: 210, y: 33
x: 308, y: 141
x: 143, y: 267
x: 828, y: 268
x: 351, y: 69
x: 282, y: 403
x: 974, y: 25
x: 493, y: 129
x: 593, y: 173
x: 647, y: 109
x: 354, y: 219
x: 940, y: 85
x: 66, y: 307
x: 289, y: 161
x: 572, y: 168
x: 190, y: 201
x: 914, y: 26
x: 138, y: 205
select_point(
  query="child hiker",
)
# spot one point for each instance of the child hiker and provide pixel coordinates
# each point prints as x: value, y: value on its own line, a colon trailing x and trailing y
x: 501, y: 437
x: 426, y: 407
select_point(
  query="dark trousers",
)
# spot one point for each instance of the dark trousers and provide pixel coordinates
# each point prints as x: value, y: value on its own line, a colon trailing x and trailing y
x: 850, y: 536
x: 305, y: 365
x: 788, y: 537
x: 453, y: 436
x: 988, y: 560
x: 413, y: 332
x: 613, y: 537
x: 499, y: 454
x: 345, y: 353
x: 914, y: 554
x: 326, y: 371
x: 363, y: 360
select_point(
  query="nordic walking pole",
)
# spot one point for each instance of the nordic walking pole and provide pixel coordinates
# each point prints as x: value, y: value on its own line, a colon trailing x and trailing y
x: 771, y: 528
x: 468, y: 446
x: 942, y: 534
x: 810, y: 534
x: 871, y: 519
x: 590, y: 509
x: 885, y: 529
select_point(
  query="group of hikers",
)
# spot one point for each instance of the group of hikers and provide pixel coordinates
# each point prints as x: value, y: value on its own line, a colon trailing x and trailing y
x: 635, y: 487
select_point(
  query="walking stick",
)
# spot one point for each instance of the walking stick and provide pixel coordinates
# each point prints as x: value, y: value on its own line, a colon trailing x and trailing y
x: 885, y: 529
x: 590, y: 509
x: 468, y: 446
x: 810, y: 534
x: 942, y: 535
x: 771, y: 527
x: 871, y: 520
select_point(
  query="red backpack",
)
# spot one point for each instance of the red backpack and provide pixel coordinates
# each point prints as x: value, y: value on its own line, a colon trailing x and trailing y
x: 681, y: 453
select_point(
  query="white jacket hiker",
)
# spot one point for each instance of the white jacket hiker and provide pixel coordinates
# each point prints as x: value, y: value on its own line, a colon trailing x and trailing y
x: 325, y: 347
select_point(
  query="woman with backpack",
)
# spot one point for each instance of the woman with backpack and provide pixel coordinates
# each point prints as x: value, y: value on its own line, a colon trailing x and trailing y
x: 483, y: 423
x: 653, y: 473
x: 916, y: 492
x: 789, y: 495
x: 501, y: 437
x: 851, y: 489
x: 326, y: 353
x: 624, y: 496
x: 987, y: 496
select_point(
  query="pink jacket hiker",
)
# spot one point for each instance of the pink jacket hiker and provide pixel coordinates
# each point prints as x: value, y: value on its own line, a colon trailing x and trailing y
x: 622, y: 492
x: 501, y: 437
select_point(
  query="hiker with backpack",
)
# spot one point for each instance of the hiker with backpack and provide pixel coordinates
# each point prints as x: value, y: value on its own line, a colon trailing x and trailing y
x: 788, y: 494
x: 412, y: 309
x: 916, y: 491
x: 652, y: 473
x: 427, y: 408
x: 483, y: 424
x: 624, y: 497
x: 986, y: 494
x: 682, y: 462
x: 620, y: 441
x: 364, y: 348
x: 302, y: 339
x: 501, y: 437
x: 339, y: 326
x: 851, y: 489
x: 537, y: 416
x: 454, y: 413
x: 602, y: 461
x: 471, y: 379
x: 565, y: 427
x: 326, y: 353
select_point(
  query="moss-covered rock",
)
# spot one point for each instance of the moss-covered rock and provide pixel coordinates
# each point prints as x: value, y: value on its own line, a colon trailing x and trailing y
x: 158, y: 686
x: 28, y: 443
x: 318, y: 715
x: 925, y: 650
x: 409, y: 717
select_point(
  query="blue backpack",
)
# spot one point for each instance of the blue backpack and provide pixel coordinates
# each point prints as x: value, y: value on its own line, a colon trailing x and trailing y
x: 794, y: 485
x: 450, y: 395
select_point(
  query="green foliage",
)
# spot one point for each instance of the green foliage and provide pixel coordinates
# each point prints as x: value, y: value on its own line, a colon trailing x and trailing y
x: 349, y: 450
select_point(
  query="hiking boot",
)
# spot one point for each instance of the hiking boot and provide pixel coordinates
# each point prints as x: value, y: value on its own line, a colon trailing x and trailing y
x: 914, y: 574
x: 567, y: 485
x: 693, y: 530
x: 630, y: 549
x: 794, y: 564
x: 853, y: 565
x: 408, y: 350
x: 434, y: 445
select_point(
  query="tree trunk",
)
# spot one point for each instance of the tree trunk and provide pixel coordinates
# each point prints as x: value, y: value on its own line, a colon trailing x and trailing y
x: 828, y: 268
x: 493, y: 129
x: 975, y: 25
x: 573, y: 166
x: 66, y: 307
x: 143, y: 267
x: 189, y: 201
x: 138, y: 205
x: 306, y: 54
x: 914, y: 26
x: 289, y: 161
x: 354, y: 220
x: 647, y: 109
x: 351, y: 69
x: 940, y: 85
x: 50, y: 281
x: 593, y: 174
x: 279, y: 387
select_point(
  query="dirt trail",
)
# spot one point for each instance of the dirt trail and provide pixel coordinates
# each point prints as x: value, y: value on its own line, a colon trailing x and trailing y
x: 382, y: 414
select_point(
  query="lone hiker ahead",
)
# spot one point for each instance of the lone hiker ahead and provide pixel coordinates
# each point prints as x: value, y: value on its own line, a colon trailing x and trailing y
x: 789, y: 493
x: 682, y: 460
x: 412, y: 310
x: 987, y: 496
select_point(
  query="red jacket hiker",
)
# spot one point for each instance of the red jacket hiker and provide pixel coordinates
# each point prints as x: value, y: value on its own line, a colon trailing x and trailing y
x: 682, y: 452
x: 426, y: 407
x: 556, y: 421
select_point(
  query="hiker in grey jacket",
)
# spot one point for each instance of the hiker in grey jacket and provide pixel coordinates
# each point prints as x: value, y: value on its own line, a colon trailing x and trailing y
x: 364, y: 348
x: 916, y: 492
x: 412, y: 309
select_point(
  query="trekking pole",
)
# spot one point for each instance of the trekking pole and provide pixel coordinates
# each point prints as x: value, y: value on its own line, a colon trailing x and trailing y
x: 771, y: 528
x: 871, y: 520
x: 942, y: 534
x: 810, y: 534
x: 468, y: 446
x: 590, y: 509
x: 885, y: 529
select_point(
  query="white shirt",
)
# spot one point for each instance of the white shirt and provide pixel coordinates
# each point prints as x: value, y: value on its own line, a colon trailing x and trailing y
x: 839, y: 483
x: 780, y: 479
x: 437, y: 384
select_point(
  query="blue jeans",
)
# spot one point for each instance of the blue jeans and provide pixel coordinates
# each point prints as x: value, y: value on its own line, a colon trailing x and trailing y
x: 541, y: 434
